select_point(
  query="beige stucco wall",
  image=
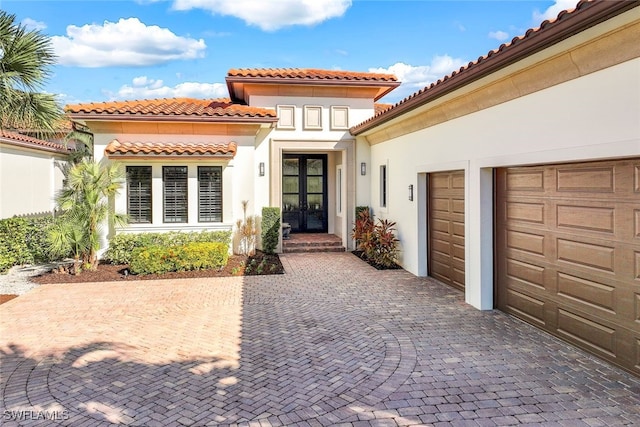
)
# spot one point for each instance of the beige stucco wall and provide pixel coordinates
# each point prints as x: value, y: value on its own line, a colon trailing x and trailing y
x: 29, y: 180
x: 594, y: 117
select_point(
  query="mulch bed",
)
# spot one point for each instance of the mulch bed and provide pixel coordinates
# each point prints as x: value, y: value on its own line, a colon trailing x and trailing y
x: 5, y: 298
x: 238, y: 265
x: 362, y: 256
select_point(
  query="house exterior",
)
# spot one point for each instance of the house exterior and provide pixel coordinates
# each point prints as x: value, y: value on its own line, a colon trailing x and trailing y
x: 281, y: 139
x: 525, y: 173
x: 30, y: 173
x: 514, y: 179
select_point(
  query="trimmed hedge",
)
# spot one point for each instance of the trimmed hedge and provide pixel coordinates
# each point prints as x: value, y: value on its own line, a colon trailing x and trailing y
x: 122, y: 246
x: 192, y: 256
x: 24, y: 241
x: 270, y: 229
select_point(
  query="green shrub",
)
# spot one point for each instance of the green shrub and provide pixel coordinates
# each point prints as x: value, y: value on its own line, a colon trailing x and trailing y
x: 122, y: 246
x: 192, y: 256
x: 270, y: 229
x: 24, y: 241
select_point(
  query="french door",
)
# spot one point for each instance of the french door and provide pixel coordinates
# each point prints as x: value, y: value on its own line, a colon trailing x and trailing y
x: 304, y: 192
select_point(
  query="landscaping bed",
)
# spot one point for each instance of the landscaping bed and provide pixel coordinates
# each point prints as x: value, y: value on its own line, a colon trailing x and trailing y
x: 238, y: 265
x: 362, y: 256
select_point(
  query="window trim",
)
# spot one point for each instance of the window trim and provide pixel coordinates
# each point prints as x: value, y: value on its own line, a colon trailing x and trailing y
x: 307, y: 109
x: 291, y: 108
x: 334, y: 110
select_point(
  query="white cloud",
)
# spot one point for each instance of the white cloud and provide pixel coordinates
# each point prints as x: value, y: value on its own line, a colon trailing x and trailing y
x: 553, y: 10
x: 499, y: 35
x: 32, y: 24
x: 143, y: 87
x: 127, y: 42
x: 271, y: 15
x: 414, y: 78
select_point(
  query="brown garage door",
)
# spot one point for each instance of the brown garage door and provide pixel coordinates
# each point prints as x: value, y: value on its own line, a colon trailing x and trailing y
x: 568, y: 253
x: 446, y: 227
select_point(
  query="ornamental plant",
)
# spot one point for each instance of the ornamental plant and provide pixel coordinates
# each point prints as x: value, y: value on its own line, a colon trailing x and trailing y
x: 377, y: 242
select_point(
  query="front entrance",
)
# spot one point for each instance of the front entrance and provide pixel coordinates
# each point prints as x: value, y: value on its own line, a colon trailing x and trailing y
x: 304, y: 192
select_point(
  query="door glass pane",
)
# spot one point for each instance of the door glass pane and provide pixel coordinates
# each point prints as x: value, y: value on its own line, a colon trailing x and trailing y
x: 314, y: 184
x: 314, y: 167
x: 290, y: 167
x: 290, y: 184
x: 290, y: 202
x: 315, y: 202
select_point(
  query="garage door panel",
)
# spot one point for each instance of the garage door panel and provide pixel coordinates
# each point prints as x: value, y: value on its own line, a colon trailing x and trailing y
x: 457, y: 206
x: 525, y: 212
x: 440, y: 205
x: 525, y: 180
x: 458, y: 228
x: 586, y: 254
x: 530, y: 308
x: 599, y: 295
x: 446, y: 227
x: 530, y: 274
x: 568, y: 253
x: 586, y: 218
x: 528, y: 242
x: 585, y: 179
x: 599, y: 338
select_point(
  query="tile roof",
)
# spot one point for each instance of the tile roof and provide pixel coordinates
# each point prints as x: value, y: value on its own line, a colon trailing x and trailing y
x: 172, y: 107
x: 183, y: 149
x: 379, y: 108
x: 18, y: 139
x: 310, y: 74
x: 586, y: 14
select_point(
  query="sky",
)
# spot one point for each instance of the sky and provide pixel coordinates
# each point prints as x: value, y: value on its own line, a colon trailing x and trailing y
x: 143, y: 49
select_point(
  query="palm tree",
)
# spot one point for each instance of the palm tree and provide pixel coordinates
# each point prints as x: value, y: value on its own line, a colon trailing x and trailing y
x: 25, y: 58
x: 85, y: 201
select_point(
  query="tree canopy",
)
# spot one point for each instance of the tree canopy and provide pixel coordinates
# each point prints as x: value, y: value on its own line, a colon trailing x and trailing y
x: 25, y: 58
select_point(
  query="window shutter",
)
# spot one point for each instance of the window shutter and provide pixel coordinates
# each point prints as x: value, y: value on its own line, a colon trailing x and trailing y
x: 210, y: 193
x: 139, y: 194
x: 175, y: 193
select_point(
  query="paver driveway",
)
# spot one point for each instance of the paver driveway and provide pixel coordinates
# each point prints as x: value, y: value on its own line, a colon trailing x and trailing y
x: 332, y: 342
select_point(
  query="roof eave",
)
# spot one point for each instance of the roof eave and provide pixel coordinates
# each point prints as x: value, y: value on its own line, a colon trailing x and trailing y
x: 578, y: 21
x: 32, y: 146
x: 231, y: 80
x: 170, y: 156
x: 107, y: 117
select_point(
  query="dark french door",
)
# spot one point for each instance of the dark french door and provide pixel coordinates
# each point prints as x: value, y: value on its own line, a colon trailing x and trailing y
x: 304, y: 192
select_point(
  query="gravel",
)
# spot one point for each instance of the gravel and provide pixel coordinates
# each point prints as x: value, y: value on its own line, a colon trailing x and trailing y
x: 16, y: 280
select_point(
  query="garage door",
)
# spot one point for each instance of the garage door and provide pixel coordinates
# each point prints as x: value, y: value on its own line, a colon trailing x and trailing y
x: 446, y: 227
x: 568, y: 253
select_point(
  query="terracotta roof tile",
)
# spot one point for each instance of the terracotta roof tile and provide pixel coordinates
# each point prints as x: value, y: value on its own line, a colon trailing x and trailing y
x: 147, y: 148
x: 379, y: 108
x: 15, y: 138
x: 222, y: 107
x: 310, y: 74
x: 585, y: 14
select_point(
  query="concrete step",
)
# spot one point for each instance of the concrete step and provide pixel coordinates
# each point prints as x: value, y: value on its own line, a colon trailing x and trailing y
x: 312, y: 248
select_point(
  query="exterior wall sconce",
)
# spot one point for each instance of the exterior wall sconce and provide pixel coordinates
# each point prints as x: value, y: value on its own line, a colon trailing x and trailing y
x: 261, y: 168
x: 411, y: 192
x: 363, y: 168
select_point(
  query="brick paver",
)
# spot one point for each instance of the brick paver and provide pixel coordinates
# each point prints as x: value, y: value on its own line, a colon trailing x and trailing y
x: 332, y: 342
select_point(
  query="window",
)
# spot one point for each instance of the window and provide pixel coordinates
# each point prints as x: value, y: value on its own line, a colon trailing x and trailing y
x: 139, y: 194
x: 174, y: 179
x: 383, y: 186
x: 210, y: 193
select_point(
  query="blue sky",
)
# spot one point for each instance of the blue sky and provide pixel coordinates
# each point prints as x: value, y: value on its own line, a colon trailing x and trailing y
x: 114, y: 50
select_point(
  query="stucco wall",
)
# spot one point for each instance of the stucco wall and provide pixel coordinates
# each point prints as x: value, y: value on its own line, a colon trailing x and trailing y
x: 593, y: 117
x: 30, y: 180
